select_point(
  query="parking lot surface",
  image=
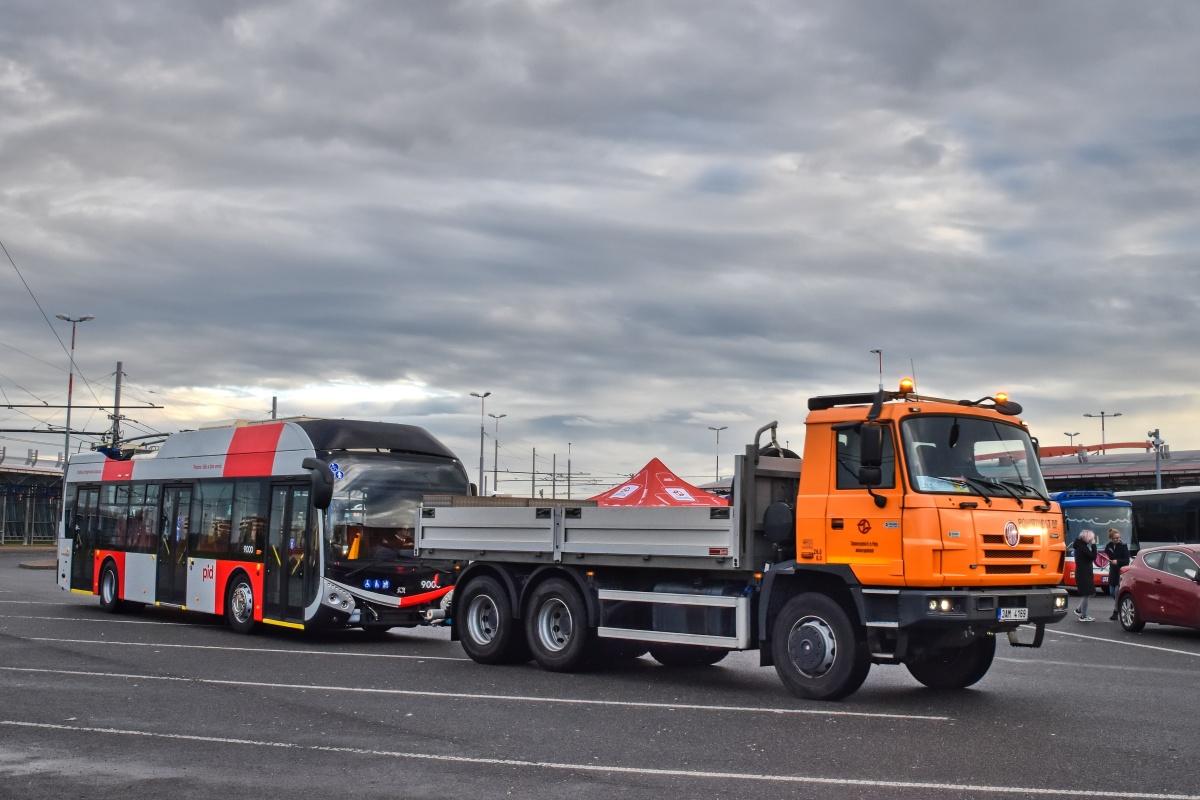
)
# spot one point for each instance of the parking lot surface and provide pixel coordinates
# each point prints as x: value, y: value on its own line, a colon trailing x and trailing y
x: 165, y: 704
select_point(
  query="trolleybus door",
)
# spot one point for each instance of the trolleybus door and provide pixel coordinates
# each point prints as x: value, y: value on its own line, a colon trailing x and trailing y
x: 286, y: 558
x: 83, y: 542
x: 171, y: 584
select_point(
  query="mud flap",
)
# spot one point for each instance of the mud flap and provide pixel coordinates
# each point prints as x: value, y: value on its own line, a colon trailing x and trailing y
x: 1039, y: 633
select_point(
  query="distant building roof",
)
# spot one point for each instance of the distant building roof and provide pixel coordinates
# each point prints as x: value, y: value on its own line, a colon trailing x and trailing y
x: 1125, y: 471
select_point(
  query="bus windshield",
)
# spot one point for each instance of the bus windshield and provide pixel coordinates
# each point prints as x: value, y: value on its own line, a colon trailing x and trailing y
x: 970, y: 455
x: 1098, y: 519
x: 376, y: 497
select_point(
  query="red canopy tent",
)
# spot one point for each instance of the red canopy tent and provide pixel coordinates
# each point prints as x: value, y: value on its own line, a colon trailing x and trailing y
x: 656, y: 485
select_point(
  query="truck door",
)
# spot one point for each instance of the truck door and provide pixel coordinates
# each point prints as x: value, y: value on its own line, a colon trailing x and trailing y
x: 859, y: 532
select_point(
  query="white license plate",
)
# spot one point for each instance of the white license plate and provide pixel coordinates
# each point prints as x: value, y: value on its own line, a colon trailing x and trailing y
x: 1012, y: 614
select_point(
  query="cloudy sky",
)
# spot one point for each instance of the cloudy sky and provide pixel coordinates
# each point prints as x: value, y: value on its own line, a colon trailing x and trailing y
x: 628, y: 221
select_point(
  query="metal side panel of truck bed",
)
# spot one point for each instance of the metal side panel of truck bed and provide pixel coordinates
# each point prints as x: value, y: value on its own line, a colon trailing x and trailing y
x: 704, y: 538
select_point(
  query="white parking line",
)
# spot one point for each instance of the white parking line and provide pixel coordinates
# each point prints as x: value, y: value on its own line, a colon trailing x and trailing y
x: 1127, y: 644
x: 1035, y: 662
x: 614, y: 769
x: 101, y: 619
x: 245, y: 649
x: 40, y: 603
x: 815, y: 712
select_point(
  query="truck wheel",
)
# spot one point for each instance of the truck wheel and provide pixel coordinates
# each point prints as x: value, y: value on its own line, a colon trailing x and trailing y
x: 110, y: 588
x: 1128, y: 614
x: 239, y: 605
x: 955, y: 669
x: 486, y: 625
x: 820, y: 652
x: 682, y: 655
x: 556, y: 627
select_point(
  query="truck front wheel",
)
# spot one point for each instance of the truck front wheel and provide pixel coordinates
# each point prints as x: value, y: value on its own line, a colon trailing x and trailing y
x: 820, y: 653
x: 955, y: 669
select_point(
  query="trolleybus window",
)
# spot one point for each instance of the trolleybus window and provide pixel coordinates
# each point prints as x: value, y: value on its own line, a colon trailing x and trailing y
x: 212, y: 513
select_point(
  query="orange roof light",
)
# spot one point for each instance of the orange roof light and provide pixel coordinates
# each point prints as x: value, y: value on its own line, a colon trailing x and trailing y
x: 906, y: 386
x: 1001, y: 397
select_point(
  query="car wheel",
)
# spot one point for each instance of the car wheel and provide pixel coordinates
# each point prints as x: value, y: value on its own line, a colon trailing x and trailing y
x: 819, y: 652
x: 955, y: 669
x: 487, y: 628
x: 239, y: 605
x: 1127, y: 613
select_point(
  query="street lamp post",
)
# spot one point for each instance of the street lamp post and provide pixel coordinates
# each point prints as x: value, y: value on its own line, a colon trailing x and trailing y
x: 70, y: 390
x: 1103, y: 415
x: 880, y: 354
x: 1071, y: 437
x: 482, y: 397
x: 1157, y: 442
x: 718, y: 450
x: 496, y: 453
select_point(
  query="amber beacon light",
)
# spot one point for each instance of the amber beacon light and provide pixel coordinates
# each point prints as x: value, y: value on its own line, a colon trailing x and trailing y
x: 906, y: 386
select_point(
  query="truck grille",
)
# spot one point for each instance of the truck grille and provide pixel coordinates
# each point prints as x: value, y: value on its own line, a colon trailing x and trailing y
x: 1007, y: 569
x: 1014, y: 553
x: 998, y: 538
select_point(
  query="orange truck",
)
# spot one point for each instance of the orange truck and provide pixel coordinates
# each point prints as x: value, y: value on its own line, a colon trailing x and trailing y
x: 918, y: 530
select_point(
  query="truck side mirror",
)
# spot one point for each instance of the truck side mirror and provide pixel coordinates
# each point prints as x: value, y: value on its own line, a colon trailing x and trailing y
x: 322, y: 482
x: 870, y: 445
x: 870, y: 476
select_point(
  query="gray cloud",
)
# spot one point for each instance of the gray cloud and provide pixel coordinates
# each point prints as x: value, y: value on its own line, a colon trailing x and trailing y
x: 643, y: 216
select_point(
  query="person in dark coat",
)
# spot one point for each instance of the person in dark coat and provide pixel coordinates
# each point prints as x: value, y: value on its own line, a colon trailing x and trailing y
x: 1118, y: 556
x: 1085, y: 562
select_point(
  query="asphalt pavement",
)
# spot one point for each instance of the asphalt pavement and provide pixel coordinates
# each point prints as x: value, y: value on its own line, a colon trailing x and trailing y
x: 165, y: 704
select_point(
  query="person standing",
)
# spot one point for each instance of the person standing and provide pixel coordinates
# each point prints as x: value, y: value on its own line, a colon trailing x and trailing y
x: 1085, y: 562
x: 1118, y: 556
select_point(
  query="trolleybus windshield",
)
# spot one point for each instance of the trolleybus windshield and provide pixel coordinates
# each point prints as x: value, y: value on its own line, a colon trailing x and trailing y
x: 376, y: 498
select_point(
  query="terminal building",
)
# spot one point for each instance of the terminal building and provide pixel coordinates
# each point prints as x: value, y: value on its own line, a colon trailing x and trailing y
x: 30, y: 498
x: 1121, y: 471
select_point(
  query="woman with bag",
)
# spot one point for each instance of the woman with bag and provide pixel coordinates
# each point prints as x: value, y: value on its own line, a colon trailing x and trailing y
x: 1085, y: 561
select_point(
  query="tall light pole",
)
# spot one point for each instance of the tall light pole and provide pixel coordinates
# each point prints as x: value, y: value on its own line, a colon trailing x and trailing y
x: 1103, y: 415
x: 718, y: 451
x: 482, y: 397
x: 1157, y: 442
x: 496, y: 452
x: 1071, y: 437
x: 880, y: 354
x: 70, y: 390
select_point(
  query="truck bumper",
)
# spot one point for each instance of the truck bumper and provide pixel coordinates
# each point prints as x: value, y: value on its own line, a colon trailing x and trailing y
x: 989, y: 609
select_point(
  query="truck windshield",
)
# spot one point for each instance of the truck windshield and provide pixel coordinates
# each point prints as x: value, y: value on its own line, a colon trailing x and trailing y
x: 375, y: 501
x: 964, y: 455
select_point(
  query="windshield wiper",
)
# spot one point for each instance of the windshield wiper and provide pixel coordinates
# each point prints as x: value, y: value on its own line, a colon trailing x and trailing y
x: 1008, y: 490
x: 970, y: 484
x: 375, y: 562
x: 1032, y: 490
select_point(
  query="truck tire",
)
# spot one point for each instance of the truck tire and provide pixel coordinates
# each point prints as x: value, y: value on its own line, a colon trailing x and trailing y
x: 486, y: 626
x: 682, y: 655
x: 556, y: 627
x: 1128, y: 614
x: 955, y: 669
x: 820, y: 652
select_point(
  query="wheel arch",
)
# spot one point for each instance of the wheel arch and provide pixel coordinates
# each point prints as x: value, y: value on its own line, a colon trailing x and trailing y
x: 784, y: 581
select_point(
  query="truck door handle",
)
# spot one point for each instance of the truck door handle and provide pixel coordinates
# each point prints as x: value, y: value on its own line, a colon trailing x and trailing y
x: 837, y: 523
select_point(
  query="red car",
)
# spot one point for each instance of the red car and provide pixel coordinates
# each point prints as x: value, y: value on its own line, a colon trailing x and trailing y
x: 1161, y: 585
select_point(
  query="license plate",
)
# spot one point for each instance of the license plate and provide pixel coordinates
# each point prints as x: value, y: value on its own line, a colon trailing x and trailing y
x: 1012, y: 614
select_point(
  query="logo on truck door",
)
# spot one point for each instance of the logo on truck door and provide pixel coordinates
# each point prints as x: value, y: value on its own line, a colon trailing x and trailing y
x: 864, y: 526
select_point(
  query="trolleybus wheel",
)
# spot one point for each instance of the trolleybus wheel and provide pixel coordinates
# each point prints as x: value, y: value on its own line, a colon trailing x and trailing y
x: 110, y: 589
x: 486, y: 627
x: 819, y: 652
x: 1127, y: 613
x: 556, y: 627
x: 682, y: 655
x: 239, y: 605
x: 955, y: 669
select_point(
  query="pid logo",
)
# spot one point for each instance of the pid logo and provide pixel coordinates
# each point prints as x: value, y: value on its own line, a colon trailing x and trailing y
x: 208, y: 573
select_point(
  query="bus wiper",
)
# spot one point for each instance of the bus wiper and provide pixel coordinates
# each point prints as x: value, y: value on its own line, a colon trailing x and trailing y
x: 375, y: 562
x: 970, y: 484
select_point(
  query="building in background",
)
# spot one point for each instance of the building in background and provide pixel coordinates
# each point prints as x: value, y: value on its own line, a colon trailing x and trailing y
x: 1120, y: 472
x: 30, y: 500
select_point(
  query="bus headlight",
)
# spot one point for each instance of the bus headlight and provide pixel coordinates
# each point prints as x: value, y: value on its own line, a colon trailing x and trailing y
x: 338, y: 599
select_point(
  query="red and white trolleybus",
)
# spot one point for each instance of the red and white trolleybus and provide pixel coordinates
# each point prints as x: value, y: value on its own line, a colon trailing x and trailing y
x: 301, y: 523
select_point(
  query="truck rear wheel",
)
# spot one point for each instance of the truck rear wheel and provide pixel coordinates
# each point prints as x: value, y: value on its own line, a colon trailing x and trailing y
x: 556, y: 627
x: 955, y: 669
x: 486, y: 626
x: 682, y: 655
x: 819, y: 652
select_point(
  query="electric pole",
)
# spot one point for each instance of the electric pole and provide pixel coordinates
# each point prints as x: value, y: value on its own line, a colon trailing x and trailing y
x: 718, y: 432
x: 496, y: 453
x: 482, y: 398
